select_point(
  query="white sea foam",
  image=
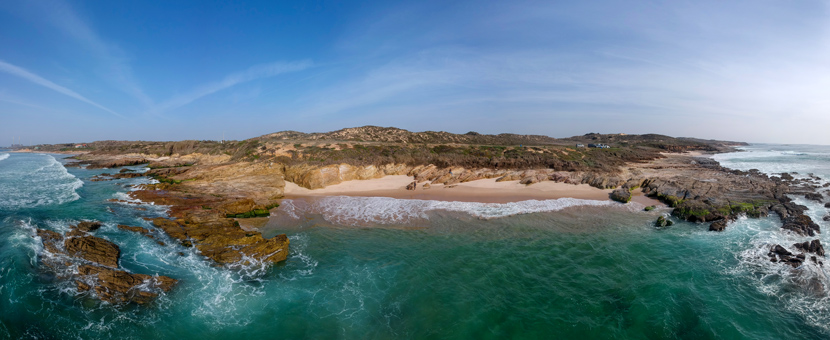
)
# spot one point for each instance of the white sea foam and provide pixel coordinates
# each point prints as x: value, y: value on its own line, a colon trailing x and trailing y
x: 37, y: 182
x: 4, y: 156
x: 804, y: 290
x: 356, y: 211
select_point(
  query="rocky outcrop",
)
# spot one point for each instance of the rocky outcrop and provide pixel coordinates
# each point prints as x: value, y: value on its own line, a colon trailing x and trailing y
x: 813, y: 246
x: 814, y: 196
x: 223, y: 241
x: 779, y: 254
x: 93, y: 249
x: 96, y: 266
x: 412, y: 186
x: 719, y: 225
x: 110, y: 162
x: 316, y: 177
x: 801, y: 224
x: 663, y: 222
x: 622, y: 195
x: 118, y: 286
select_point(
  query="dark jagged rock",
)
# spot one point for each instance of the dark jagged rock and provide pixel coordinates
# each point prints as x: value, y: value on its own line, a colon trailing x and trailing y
x: 827, y: 205
x: 118, y: 286
x: 621, y: 194
x: 780, y: 254
x: 779, y: 250
x: 719, y: 225
x: 814, y: 196
x: 813, y: 246
x: 411, y: 186
x: 802, y: 225
x: 826, y: 218
x: 93, y: 249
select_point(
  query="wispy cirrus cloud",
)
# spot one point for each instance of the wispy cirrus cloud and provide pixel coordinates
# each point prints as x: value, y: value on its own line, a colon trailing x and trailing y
x: 233, y: 79
x: 34, y: 78
x: 114, y: 65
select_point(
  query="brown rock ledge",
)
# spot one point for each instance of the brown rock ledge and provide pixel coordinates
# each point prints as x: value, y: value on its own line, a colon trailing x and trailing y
x: 96, y: 260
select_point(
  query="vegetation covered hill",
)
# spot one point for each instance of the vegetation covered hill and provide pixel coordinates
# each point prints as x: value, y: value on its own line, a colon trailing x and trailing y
x: 372, y: 145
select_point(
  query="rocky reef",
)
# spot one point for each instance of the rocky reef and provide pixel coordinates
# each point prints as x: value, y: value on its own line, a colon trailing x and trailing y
x: 92, y: 262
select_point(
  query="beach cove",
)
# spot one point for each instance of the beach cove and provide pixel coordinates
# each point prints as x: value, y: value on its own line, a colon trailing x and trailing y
x: 369, y: 258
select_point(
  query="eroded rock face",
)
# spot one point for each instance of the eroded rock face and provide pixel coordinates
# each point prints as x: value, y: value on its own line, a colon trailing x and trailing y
x: 118, y: 286
x: 93, y: 249
x: 97, y: 266
x: 225, y: 242
x: 411, y: 186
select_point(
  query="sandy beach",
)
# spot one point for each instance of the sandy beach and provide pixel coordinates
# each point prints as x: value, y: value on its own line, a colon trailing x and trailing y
x: 484, y: 191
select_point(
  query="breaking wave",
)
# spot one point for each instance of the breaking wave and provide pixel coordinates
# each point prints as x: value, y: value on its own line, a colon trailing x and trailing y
x: 4, y: 156
x: 355, y: 211
x: 38, y: 181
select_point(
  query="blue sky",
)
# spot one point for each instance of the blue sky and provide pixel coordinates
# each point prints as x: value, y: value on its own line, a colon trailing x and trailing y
x: 74, y: 71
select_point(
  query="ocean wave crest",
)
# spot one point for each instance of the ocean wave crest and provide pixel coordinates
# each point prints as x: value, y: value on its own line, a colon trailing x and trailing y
x: 356, y: 211
x: 37, y: 182
x: 4, y: 156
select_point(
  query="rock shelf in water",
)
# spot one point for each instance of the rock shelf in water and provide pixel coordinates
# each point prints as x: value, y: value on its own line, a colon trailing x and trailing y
x: 92, y: 262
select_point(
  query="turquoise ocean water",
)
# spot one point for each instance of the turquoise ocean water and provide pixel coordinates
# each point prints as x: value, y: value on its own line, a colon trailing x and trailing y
x: 379, y: 268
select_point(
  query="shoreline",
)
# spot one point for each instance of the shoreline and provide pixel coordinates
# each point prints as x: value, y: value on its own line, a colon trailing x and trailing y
x: 481, y: 191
